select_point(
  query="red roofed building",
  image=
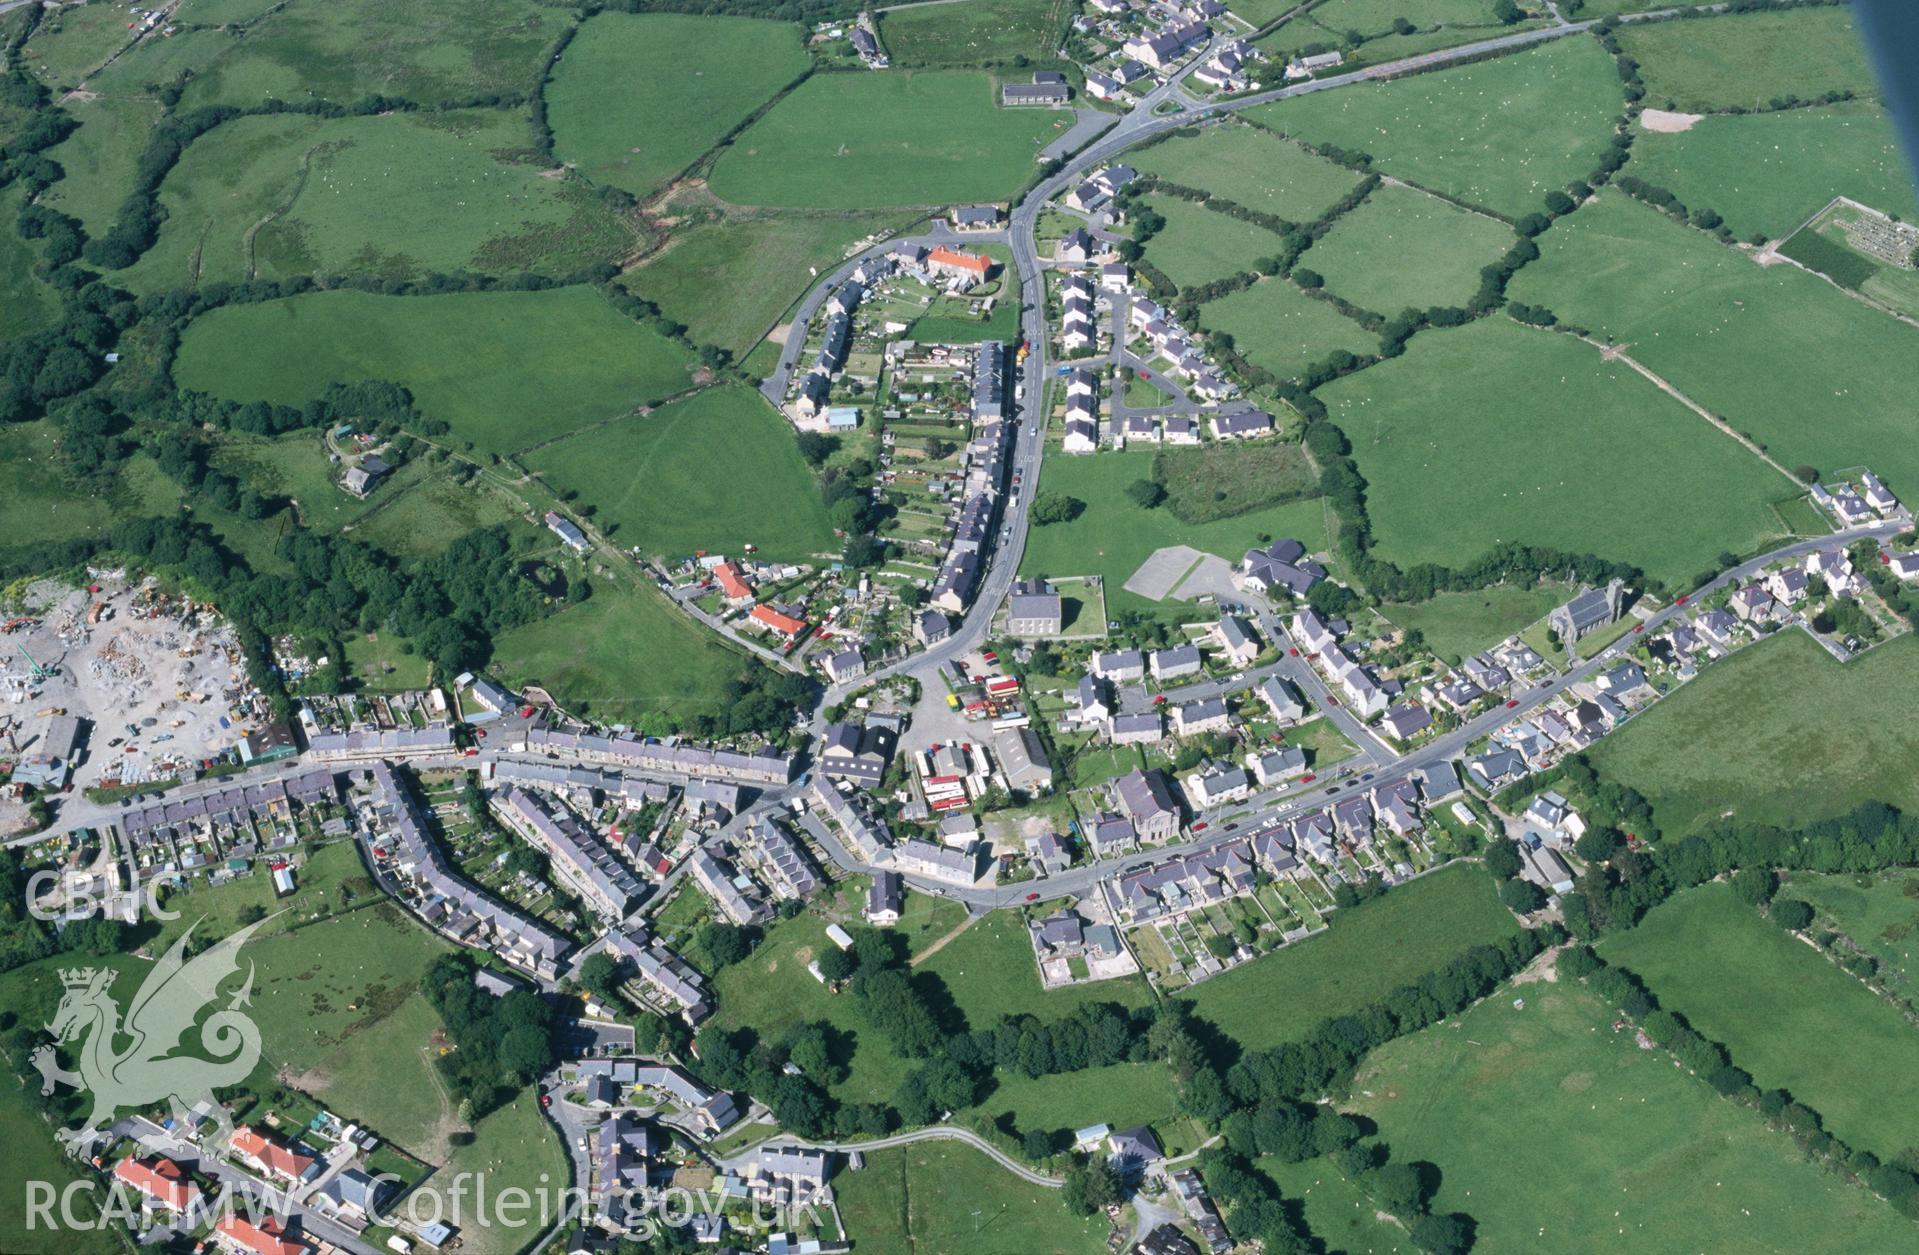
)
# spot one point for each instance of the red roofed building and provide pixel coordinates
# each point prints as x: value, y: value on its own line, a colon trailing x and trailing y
x: 785, y: 624
x: 735, y: 587
x: 266, y: 1155
x: 162, y: 1180
x: 268, y: 1237
x: 946, y: 261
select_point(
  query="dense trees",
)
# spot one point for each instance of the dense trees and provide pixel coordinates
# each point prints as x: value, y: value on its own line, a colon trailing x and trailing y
x: 1056, y: 507
x: 500, y: 1044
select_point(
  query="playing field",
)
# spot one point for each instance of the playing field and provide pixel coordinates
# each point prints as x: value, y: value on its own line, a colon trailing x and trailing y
x: 730, y: 280
x: 1879, y: 911
x: 288, y: 194
x: 1716, y: 745
x: 1369, y: 951
x: 1492, y: 432
x: 1816, y: 376
x: 506, y: 369
x: 1766, y: 173
x: 941, y: 1196
x: 872, y: 140
x: 1198, y: 245
x: 1113, y: 536
x: 1499, y: 133
x: 622, y: 654
x: 1748, y: 59
x: 1656, y: 1160
x: 1457, y: 624
x: 1402, y: 249
x: 979, y: 32
x: 1280, y: 328
x: 1779, y: 1007
x: 637, y: 97
x: 714, y: 472
x: 99, y: 158
x: 343, y: 50
x: 1252, y: 167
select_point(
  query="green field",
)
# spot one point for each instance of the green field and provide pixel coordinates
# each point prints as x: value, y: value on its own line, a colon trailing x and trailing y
x: 1336, y: 1211
x: 1747, y: 58
x: 1655, y: 1159
x: 872, y: 140
x: 1404, y: 249
x: 990, y: 971
x: 1717, y: 745
x: 1198, y: 245
x: 506, y: 369
x: 1457, y: 624
x: 714, y: 472
x: 34, y: 1155
x: 1780, y: 1007
x: 1370, y: 950
x: 1499, y: 133
x: 1880, y: 912
x: 622, y: 654
x: 1253, y: 167
x: 343, y: 50
x: 979, y: 32
x: 1814, y: 375
x: 40, y: 504
x: 1220, y: 480
x: 732, y: 279
x: 425, y: 517
x: 1766, y: 173
x: 938, y: 1196
x: 99, y: 158
x: 30, y: 304
x: 397, y: 196
x: 150, y: 66
x: 72, y: 42
x: 514, y: 1145
x: 1492, y: 432
x: 1280, y: 328
x: 638, y: 97
x: 1114, y: 535
x: 1828, y: 248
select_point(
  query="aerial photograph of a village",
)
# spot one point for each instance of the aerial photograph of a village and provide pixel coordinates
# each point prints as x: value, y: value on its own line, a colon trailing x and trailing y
x: 975, y: 627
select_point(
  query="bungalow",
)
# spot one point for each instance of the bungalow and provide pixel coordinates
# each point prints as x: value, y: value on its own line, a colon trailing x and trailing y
x: 1179, y: 429
x: 1407, y: 720
x: 1238, y: 638
x: 786, y: 625
x: 1245, y: 425
x: 1459, y: 694
x: 1141, y: 428
x: 1101, y: 86
x: 1282, y: 565
x: 1171, y: 664
x: 269, y: 1158
x: 1495, y: 769
x: 1903, y: 565
x: 976, y: 217
x: 1208, y: 715
x: 162, y: 1182
x: 1306, y: 67
x: 571, y: 536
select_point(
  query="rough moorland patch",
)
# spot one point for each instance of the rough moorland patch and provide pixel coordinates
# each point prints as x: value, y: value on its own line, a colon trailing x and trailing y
x: 1495, y: 432
x: 1219, y: 480
x: 1499, y: 133
x: 505, y: 369
x: 637, y: 97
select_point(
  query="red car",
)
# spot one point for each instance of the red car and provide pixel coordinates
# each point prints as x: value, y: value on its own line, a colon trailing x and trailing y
x: 1294, y: 652
x: 1159, y: 700
x: 990, y: 656
x: 1200, y: 826
x: 1637, y: 628
x: 1308, y: 778
x: 1332, y: 699
x: 546, y: 1100
x: 1032, y: 897
x: 1514, y: 702
x: 1682, y: 599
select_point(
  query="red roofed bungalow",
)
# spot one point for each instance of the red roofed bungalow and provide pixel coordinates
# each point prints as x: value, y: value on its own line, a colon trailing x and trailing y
x: 270, y: 1156
x: 735, y: 588
x: 162, y: 1180
x: 785, y: 624
x: 946, y: 259
x: 268, y: 1237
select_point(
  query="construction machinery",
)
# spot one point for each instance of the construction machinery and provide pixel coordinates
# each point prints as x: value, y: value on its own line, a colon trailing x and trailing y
x: 51, y: 712
x: 36, y: 669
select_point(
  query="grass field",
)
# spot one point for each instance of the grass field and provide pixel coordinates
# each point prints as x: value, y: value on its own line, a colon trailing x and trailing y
x: 989, y: 970
x: 1457, y: 624
x: 515, y: 1146
x: 1113, y: 536
x: 39, y: 504
x: 99, y: 158
x: 1768, y: 172
x: 1747, y: 58
x: 1198, y: 246
x: 344, y: 50
x: 1404, y: 249
x: 1779, y: 1006
x: 1369, y: 951
x: 30, y: 304
x: 1814, y: 375
x: 1879, y: 911
x: 1220, y: 480
x: 426, y: 517
x: 1489, y: 433
x: 713, y: 472
x: 1280, y: 328
x: 1716, y: 745
x: 621, y: 654
x: 1659, y: 1160
x: 874, y: 140
x: 287, y: 195
x: 506, y: 369
x: 1336, y: 1211
x: 979, y: 32
x: 1253, y: 167
x: 730, y: 280
x: 71, y: 43
x: 1500, y: 133
x: 34, y: 1155
x: 638, y: 97
x: 938, y: 1196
